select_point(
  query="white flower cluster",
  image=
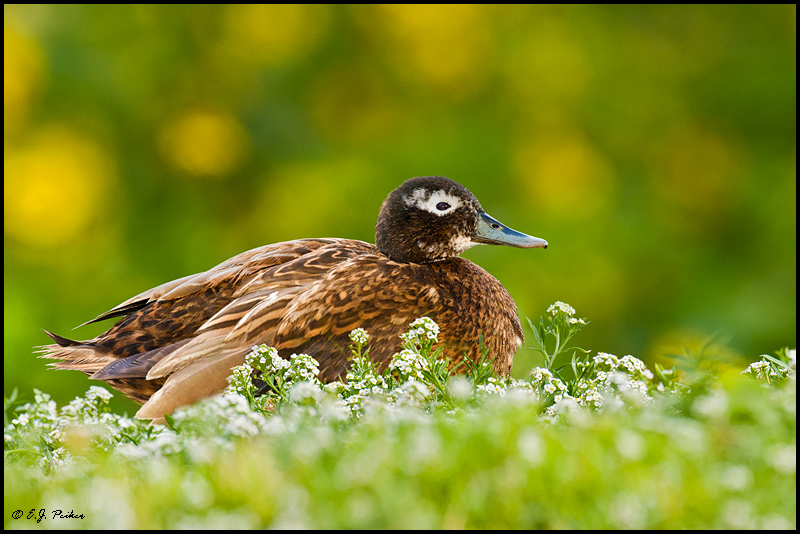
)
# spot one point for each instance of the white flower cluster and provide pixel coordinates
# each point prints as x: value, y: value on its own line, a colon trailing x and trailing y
x: 544, y: 386
x: 765, y: 372
x: 408, y: 364
x: 563, y: 307
x: 232, y: 411
x: 87, y: 408
x: 410, y: 393
x: 414, y: 384
x: 261, y: 357
x: 543, y: 380
x: 265, y: 358
x: 306, y: 392
x: 365, y: 384
x: 608, y: 363
x: 302, y: 367
x: 359, y: 336
x: 566, y: 309
x: 357, y: 388
x: 492, y: 387
x: 612, y: 381
x: 239, y: 377
x: 298, y: 368
x: 42, y: 413
x: 298, y: 376
x: 627, y: 376
x: 407, y: 367
x: 772, y: 370
x: 86, y: 416
x: 420, y: 331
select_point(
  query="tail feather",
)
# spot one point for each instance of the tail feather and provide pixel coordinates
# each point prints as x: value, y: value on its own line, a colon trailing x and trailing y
x: 119, y: 311
x: 74, y: 355
x: 83, y: 356
x: 76, y: 358
x: 62, y: 341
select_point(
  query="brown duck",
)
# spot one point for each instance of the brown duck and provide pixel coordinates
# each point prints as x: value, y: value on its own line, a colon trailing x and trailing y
x: 177, y: 343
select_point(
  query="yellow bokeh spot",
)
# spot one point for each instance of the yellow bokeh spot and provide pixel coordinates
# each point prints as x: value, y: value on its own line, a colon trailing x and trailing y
x: 23, y: 69
x: 273, y: 33
x: 53, y: 187
x: 448, y: 47
x: 204, y: 143
x: 565, y: 176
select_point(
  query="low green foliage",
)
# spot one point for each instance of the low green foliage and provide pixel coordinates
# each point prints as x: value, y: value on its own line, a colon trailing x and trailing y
x: 598, y: 441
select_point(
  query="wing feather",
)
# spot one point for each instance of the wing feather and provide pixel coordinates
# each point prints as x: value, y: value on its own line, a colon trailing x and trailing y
x: 173, y: 312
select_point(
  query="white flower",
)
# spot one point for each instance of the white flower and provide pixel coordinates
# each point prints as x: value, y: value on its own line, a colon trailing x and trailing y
x: 22, y: 420
x: 591, y: 397
x: 306, y: 391
x: 606, y: 360
x: 426, y: 323
x: 619, y: 379
x: 266, y: 358
x: 763, y: 370
x: 359, y: 336
x: 238, y: 376
x: 562, y: 307
x: 303, y: 367
x: 100, y: 393
x: 408, y: 364
x: 493, y: 387
x: 540, y: 373
x: 635, y: 367
x: 566, y: 404
x: 460, y: 388
x: 421, y: 329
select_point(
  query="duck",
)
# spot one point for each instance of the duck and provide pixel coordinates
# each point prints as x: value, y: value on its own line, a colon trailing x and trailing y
x: 177, y: 343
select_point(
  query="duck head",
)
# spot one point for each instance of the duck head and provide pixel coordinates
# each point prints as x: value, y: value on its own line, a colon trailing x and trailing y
x: 432, y: 218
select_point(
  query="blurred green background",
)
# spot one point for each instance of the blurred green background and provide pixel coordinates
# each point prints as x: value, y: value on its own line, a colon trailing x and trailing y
x: 652, y: 146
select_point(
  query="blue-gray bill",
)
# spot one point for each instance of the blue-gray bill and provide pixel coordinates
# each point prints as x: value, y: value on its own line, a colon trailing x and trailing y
x: 490, y: 231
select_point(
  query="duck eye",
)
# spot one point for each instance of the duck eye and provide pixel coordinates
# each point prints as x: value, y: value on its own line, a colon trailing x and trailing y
x: 442, y: 206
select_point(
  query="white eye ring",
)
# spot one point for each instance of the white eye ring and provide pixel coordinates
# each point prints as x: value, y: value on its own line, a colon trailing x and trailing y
x: 437, y: 202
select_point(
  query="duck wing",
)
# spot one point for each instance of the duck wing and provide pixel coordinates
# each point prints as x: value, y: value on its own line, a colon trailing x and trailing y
x: 159, y: 321
x: 306, y: 305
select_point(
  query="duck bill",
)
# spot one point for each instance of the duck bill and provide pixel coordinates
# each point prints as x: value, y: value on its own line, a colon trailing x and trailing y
x: 490, y: 231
